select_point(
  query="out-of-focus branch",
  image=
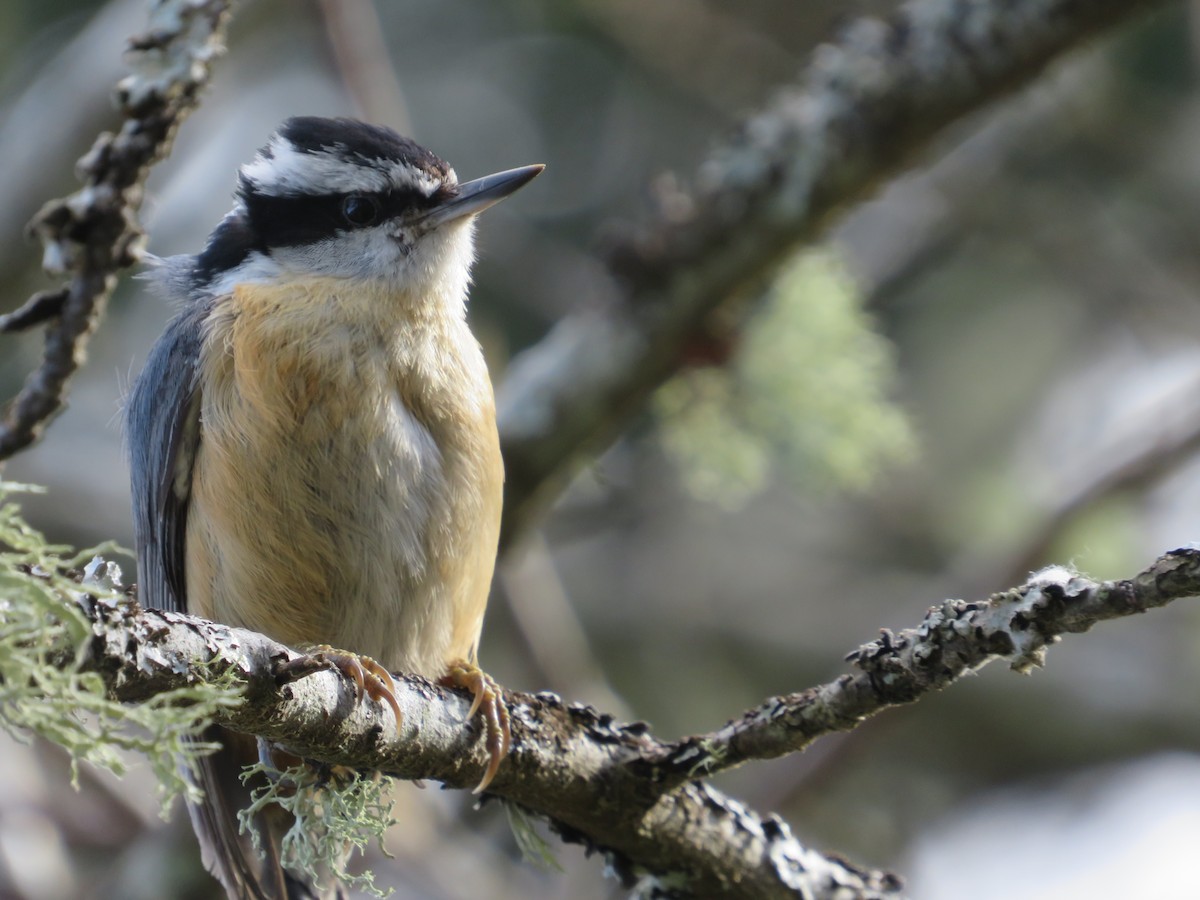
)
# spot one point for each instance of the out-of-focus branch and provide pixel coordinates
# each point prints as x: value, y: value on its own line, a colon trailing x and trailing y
x: 615, y: 787
x: 76, y: 83
x: 93, y: 233
x: 863, y: 107
x: 1164, y: 450
x: 361, y: 55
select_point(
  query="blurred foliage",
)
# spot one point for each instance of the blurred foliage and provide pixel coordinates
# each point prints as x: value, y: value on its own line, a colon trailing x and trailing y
x: 1103, y: 539
x: 805, y: 394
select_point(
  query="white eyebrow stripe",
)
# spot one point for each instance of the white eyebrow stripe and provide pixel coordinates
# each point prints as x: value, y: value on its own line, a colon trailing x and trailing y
x: 402, y: 173
x: 289, y: 172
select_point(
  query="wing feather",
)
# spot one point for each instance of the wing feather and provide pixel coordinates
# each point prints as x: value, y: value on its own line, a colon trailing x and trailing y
x: 162, y: 432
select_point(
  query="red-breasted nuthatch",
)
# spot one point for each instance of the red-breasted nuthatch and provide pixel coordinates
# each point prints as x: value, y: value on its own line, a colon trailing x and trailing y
x: 313, y: 443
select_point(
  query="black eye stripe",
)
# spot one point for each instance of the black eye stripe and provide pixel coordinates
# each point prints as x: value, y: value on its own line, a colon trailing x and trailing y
x: 306, y: 219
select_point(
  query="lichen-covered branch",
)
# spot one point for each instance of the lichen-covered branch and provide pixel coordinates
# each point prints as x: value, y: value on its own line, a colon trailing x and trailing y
x: 583, y: 771
x: 92, y: 234
x: 862, y: 109
x: 956, y: 637
x: 613, y: 786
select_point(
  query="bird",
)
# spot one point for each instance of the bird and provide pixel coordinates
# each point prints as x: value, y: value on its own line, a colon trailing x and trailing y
x: 312, y: 441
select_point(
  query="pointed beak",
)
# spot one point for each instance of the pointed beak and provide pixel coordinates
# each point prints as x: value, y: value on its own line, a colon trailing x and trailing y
x: 476, y: 196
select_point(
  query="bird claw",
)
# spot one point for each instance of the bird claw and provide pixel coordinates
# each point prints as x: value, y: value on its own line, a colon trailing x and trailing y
x: 487, y: 697
x: 369, y: 677
x: 373, y: 680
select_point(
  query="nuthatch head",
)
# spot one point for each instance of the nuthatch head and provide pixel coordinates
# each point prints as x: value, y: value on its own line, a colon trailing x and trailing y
x: 313, y: 443
x: 335, y: 197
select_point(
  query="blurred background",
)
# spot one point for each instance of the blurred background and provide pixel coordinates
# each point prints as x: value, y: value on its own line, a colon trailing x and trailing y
x: 993, y: 365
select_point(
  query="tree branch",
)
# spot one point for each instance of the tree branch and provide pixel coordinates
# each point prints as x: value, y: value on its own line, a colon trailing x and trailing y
x: 616, y: 787
x: 865, y: 105
x: 956, y: 638
x: 862, y: 109
x: 585, y: 772
x: 92, y: 234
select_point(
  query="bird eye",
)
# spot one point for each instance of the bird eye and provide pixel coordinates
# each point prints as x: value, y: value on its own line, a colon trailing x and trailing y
x: 360, y: 210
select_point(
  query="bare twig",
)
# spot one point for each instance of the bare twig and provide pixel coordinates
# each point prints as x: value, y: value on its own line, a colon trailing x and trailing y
x: 37, y: 310
x: 955, y: 638
x: 616, y: 787
x: 863, y: 108
x: 92, y: 234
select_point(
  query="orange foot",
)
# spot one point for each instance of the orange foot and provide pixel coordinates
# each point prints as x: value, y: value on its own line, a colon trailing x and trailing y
x: 487, y: 698
x: 369, y: 677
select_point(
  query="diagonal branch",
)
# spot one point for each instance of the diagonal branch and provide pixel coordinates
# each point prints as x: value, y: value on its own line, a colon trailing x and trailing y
x: 860, y: 112
x: 92, y: 234
x: 616, y: 787
x: 956, y: 638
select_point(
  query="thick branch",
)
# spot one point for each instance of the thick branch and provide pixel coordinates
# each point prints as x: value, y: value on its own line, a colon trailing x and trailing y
x: 585, y: 772
x: 94, y: 233
x: 862, y: 109
x: 615, y: 786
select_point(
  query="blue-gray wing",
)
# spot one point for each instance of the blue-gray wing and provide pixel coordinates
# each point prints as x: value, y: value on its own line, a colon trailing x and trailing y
x: 162, y: 432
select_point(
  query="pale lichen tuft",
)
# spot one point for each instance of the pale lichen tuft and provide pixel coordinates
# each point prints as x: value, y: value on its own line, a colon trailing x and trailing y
x: 45, y: 688
x: 333, y: 815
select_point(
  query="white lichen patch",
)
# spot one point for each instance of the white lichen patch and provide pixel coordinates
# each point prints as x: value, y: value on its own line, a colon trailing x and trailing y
x: 333, y: 817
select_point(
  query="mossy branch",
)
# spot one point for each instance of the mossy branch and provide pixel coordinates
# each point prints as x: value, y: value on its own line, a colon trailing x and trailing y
x: 49, y: 685
x: 614, y: 787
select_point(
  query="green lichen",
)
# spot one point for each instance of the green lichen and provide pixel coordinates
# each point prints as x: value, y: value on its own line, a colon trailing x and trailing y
x: 805, y: 395
x: 45, y: 688
x: 534, y: 848
x: 333, y: 816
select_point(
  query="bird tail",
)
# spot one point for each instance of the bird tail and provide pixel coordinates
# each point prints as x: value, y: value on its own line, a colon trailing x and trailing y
x: 228, y: 854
